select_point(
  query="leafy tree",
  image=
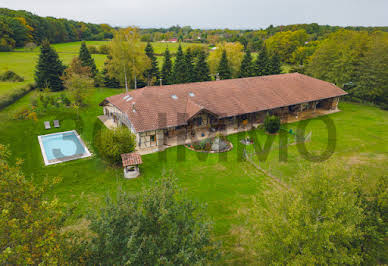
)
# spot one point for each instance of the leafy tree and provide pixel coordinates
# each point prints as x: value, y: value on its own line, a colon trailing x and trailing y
x: 76, y: 67
x: 262, y: 63
x: 275, y: 65
x: 49, y: 69
x: 223, y: 67
x: 79, y: 86
x: 30, y: 224
x: 152, y: 73
x: 87, y: 59
x: 373, y: 72
x: 246, y: 65
x: 302, y: 54
x: 316, y: 222
x: 337, y: 59
x: 235, y: 55
x: 7, y: 43
x: 157, y: 226
x: 128, y: 59
x: 189, y: 63
x: 201, y: 68
x: 112, y: 143
x: 167, y: 68
x: 179, y: 70
x: 285, y: 43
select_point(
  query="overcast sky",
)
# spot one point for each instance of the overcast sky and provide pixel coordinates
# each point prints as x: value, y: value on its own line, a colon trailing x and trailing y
x: 235, y: 14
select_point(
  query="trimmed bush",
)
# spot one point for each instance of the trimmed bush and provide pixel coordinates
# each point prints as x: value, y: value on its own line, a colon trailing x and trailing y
x: 272, y: 124
x: 112, y: 143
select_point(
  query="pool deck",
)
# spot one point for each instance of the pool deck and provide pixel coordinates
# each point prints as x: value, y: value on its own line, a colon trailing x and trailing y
x: 67, y: 158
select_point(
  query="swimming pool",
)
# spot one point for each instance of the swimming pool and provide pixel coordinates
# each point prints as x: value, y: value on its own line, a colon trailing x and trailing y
x: 62, y: 147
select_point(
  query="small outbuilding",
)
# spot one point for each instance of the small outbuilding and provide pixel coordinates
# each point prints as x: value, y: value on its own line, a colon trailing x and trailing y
x: 131, y: 162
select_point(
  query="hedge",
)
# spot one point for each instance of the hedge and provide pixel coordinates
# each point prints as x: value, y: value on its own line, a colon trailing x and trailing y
x: 8, y: 99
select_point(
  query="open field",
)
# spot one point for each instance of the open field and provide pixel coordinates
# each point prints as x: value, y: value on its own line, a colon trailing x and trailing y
x: 224, y: 182
x: 23, y: 62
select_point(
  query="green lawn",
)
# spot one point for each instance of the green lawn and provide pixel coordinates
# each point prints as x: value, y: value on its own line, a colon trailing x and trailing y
x: 23, y: 62
x: 226, y: 185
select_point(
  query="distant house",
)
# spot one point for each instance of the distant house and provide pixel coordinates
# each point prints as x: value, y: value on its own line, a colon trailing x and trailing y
x: 163, y: 116
x: 172, y: 40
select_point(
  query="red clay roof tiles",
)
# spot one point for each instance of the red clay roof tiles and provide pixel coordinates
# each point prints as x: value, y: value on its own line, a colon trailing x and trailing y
x: 129, y: 159
x: 155, y: 108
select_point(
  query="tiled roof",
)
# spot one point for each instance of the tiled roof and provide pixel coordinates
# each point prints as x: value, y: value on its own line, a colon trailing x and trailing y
x: 154, y: 107
x: 131, y: 159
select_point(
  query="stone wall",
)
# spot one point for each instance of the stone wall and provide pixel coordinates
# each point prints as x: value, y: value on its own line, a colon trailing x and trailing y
x: 144, y: 139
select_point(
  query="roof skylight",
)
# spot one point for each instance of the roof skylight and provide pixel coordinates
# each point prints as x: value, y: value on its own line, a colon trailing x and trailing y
x: 174, y: 97
x: 191, y: 94
x: 125, y: 97
x: 130, y: 98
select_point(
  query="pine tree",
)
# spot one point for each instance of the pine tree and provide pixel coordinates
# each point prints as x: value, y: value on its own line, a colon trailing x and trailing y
x: 189, y: 58
x: 87, y: 59
x: 167, y: 68
x: 49, y: 69
x: 275, y: 65
x: 262, y: 63
x: 179, y: 69
x: 109, y: 82
x: 151, y: 74
x: 223, y: 68
x: 201, y: 68
x: 246, y: 69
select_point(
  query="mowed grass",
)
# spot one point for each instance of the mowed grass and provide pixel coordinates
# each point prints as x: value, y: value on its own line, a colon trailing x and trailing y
x: 23, y: 63
x: 222, y: 181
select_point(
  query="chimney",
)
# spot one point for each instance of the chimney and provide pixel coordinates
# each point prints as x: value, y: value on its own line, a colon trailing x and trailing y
x: 161, y: 83
x: 133, y: 107
x: 218, y: 76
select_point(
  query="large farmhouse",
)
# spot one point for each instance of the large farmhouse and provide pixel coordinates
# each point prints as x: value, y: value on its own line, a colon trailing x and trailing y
x: 163, y: 116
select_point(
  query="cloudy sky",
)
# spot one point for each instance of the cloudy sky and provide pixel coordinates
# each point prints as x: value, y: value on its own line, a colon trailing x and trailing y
x: 234, y: 14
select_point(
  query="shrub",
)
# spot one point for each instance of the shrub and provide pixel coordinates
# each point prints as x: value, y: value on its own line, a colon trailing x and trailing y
x: 30, y: 223
x: 16, y: 94
x: 103, y: 49
x: 11, y: 76
x: 158, y: 226
x: 92, y: 49
x: 112, y: 143
x: 272, y: 124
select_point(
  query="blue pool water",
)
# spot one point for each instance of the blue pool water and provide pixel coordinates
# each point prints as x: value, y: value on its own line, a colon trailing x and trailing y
x: 61, y: 145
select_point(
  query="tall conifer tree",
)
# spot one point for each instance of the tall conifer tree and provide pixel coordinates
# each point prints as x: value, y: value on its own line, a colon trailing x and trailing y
x: 167, y: 68
x: 223, y: 68
x: 189, y: 62
x: 275, y: 65
x: 179, y: 69
x: 49, y: 69
x: 262, y: 63
x: 151, y: 74
x: 201, y: 68
x: 87, y: 59
x: 246, y: 69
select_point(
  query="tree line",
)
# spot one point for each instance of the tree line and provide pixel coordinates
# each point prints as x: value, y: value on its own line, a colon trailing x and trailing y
x: 18, y: 28
x: 355, y: 61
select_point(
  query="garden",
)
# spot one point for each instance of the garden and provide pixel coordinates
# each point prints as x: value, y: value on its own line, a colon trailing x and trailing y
x: 219, y: 143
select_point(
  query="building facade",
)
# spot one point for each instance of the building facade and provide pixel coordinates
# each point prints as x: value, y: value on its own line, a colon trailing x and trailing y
x: 166, y: 116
